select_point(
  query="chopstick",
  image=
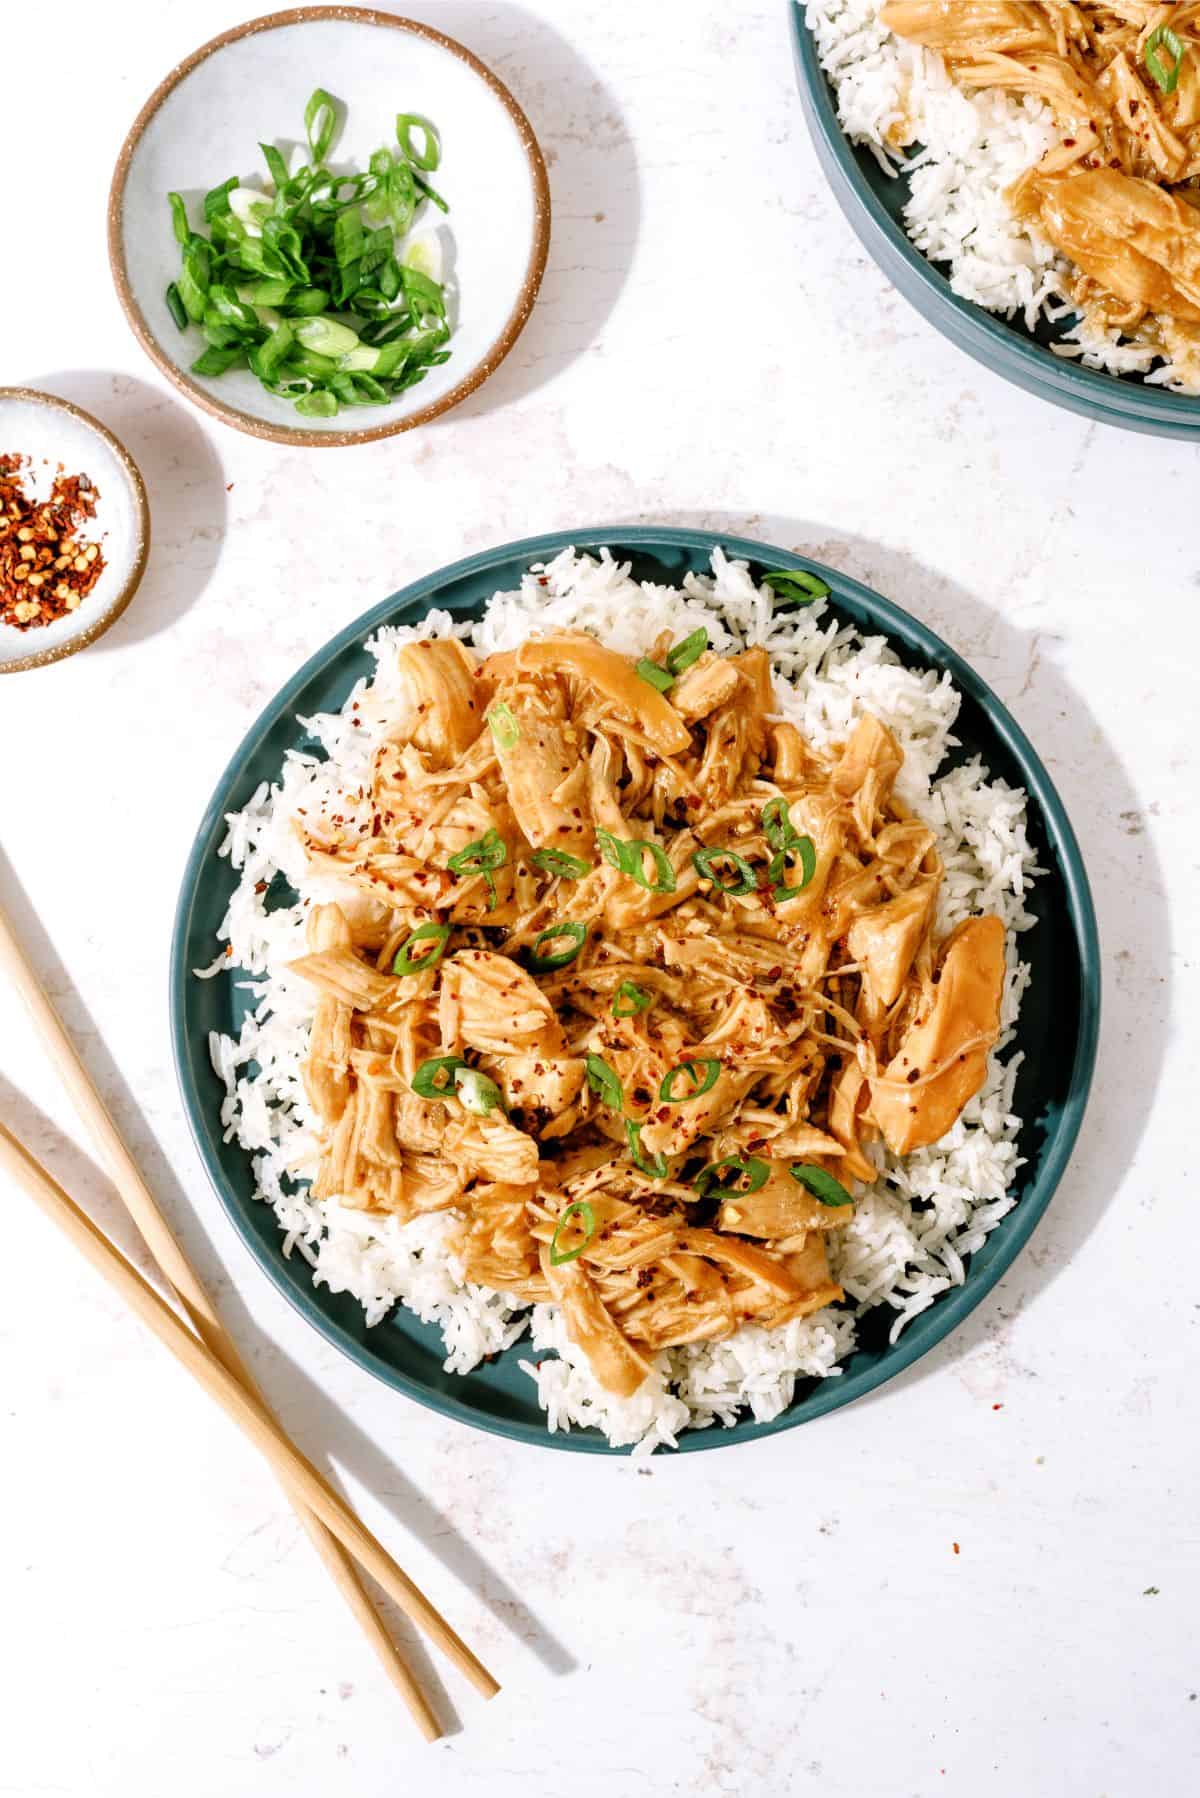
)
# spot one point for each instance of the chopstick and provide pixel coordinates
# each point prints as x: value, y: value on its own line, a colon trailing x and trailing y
x: 196, y: 1305
x: 250, y: 1416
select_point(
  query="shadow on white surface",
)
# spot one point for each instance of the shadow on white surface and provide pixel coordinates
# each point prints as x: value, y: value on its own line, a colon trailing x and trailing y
x: 289, y: 1385
x: 595, y: 191
x: 1109, y: 817
x: 184, y: 483
x: 326, y: 1432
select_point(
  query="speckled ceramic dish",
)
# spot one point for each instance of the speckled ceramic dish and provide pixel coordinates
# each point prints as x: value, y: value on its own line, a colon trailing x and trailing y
x: 873, y: 202
x: 205, y: 121
x: 52, y: 433
x: 1057, y: 1033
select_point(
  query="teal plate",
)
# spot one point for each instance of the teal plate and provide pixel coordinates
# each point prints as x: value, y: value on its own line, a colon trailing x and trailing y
x: 1058, y: 1026
x: 873, y: 202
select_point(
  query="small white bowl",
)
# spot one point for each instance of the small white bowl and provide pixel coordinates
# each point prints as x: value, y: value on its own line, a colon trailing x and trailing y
x: 53, y: 434
x: 205, y: 122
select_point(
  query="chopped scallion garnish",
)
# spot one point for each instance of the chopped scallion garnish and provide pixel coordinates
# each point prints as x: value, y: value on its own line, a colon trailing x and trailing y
x: 583, y: 1211
x: 702, y: 1073
x: 823, y: 1187
x: 478, y: 1092
x: 602, y: 1080
x: 653, y: 675
x: 485, y: 854
x: 560, y: 864
x: 306, y: 251
x: 630, y: 999
x: 657, y: 1166
x: 320, y: 120
x: 176, y: 307
x: 504, y: 727
x: 430, y: 155
x: 806, y: 849
x: 576, y: 934
x: 795, y: 587
x: 626, y: 854
x: 410, y: 961
x: 428, y: 1081
x: 714, y: 1182
x: 744, y: 879
x: 689, y: 650
x: 1165, y: 75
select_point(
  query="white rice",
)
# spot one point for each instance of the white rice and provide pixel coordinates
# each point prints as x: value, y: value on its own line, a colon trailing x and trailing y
x: 911, y: 1231
x: 972, y: 147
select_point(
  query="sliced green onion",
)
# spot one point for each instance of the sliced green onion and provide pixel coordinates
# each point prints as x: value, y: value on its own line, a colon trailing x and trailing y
x: 481, y: 857
x: 713, y: 1182
x: 216, y: 200
x: 179, y: 219
x: 602, y: 1080
x: 477, y: 1092
x: 266, y: 292
x: 777, y: 824
x: 194, y: 277
x: 303, y: 250
x: 629, y: 999
x: 806, y: 849
x: 581, y: 1209
x: 504, y: 727
x: 176, y: 307
x: 216, y: 361
x: 626, y: 853
x: 317, y: 405
x: 561, y: 958
x: 712, y: 1073
x: 348, y: 237
x: 823, y: 1187
x: 795, y: 587
x: 430, y: 193
x: 431, y: 154
x: 276, y: 166
x: 427, y: 1081
x: 325, y: 337
x: 308, y: 301
x: 659, y: 1167
x: 224, y: 306
x: 425, y: 298
x: 689, y: 650
x: 1166, y: 78
x: 409, y: 962
x: 560, y: 864
x: 653, y: 675
x: 745, y: 880
x: 266, y: 358
x: 320, y: 118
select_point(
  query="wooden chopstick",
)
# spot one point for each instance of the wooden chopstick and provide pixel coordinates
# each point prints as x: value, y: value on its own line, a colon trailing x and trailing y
x: 250, y: 1416
x: 139, y: 1201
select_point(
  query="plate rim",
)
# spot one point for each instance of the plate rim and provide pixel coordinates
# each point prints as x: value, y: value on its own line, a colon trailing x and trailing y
x: 950, y: 1308
x: 985, y: 336
x: 493, y: 356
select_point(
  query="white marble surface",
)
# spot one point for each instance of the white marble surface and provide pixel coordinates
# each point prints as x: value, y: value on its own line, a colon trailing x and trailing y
x: 711, y: 347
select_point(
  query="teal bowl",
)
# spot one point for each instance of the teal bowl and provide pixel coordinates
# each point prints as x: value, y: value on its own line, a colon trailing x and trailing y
x: 873, y: 202
x: 1058, y: 1028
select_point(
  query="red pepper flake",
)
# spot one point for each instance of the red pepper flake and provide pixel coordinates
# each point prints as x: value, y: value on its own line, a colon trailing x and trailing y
x: 997, y: 1407
x: 46, y: 569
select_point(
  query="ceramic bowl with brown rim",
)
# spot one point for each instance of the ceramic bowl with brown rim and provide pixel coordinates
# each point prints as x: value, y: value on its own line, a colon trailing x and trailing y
x: 250, y: 85
x: 53, y: 437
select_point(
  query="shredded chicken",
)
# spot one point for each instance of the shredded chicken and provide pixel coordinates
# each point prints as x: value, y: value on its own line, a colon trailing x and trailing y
x: 1119, y: 194
x: 635, y: 984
